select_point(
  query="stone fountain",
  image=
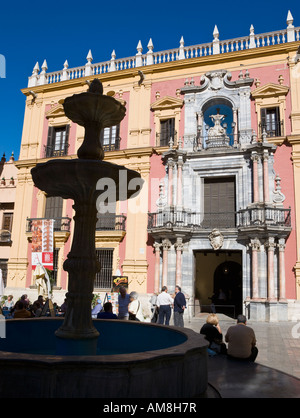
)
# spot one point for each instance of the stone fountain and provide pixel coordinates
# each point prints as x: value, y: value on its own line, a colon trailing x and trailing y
x: 78, y: 356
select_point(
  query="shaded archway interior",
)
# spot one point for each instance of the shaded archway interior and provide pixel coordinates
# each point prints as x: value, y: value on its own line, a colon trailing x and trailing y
x: 218, y: 281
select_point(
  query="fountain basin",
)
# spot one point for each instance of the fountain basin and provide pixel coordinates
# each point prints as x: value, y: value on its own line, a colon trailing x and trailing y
x: 145, y: 361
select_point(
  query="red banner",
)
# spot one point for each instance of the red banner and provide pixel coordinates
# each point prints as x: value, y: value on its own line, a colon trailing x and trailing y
x: 42, y: 243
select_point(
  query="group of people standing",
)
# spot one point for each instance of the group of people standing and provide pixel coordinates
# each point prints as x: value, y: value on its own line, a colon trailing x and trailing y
x: 162, y: 307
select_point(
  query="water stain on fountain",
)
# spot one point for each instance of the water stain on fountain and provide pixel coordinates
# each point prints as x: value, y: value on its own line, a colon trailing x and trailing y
x: 166, y: 361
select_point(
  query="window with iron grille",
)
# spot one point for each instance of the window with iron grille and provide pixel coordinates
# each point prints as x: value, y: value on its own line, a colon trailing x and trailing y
x: 110, y: 138
x: 104, y: 277
x: 58, y: 141
x: 270, y: 122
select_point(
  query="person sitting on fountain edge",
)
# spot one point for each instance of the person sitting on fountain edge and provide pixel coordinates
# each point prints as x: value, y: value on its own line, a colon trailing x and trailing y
x: 108, y: 313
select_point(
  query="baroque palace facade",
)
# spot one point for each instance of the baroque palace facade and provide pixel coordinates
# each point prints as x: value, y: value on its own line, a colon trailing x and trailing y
x: 214, y: 130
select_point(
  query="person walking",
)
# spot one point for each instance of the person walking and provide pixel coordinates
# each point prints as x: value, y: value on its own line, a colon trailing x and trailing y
x: 164, y: 303
x: 241, y: 341
x: 179, y: 307
x: 123, y: 301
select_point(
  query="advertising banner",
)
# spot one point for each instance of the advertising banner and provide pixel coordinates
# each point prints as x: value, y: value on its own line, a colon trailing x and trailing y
x: 42, y: 243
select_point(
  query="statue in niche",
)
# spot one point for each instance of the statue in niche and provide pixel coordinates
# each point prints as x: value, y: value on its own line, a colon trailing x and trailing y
x: 217, y: 129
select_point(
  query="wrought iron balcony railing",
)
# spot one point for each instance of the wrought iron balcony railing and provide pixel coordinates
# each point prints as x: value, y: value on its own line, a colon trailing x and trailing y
x: 114, y: 146
x: 273, y: 129
x: 5, y: 236
x: 110, y: 222
x: 163, y: 140
x: 60, y: 224
x: 50, y: 151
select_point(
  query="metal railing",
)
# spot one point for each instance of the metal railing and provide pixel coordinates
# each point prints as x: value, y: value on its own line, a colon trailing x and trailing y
x: 172, y: 218
x: 110, y: 222
x: 50, y: 151
x: 271, y: 130
x: 264, y: 216
x: 5, y: 236
x: 60, y: 224
x: 191, y: 220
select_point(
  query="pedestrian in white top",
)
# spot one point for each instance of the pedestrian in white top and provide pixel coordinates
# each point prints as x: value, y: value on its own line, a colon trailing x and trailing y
x: 164, y: 303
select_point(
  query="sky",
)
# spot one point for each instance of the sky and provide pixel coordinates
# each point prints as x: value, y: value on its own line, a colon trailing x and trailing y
x: 57, y: 31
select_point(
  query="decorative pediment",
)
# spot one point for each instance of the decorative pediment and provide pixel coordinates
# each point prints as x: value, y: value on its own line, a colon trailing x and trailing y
x: 270, y: 90
x: 167, y: 102
x: 55, y: 111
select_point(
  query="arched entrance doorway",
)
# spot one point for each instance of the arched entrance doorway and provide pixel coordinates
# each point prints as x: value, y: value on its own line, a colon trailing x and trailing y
x: 228, y: 288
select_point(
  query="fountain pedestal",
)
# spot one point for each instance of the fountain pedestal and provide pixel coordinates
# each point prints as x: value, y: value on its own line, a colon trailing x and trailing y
x: 77, y: 180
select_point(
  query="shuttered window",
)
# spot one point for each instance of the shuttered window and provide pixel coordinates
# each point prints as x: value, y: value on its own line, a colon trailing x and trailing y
x: 7, y: 221
x: 270, y: 121
x: 219, y: 202
x: 104, y: 277
x: 167, y: 131
x: 53, y: 210
x: 58, y: 141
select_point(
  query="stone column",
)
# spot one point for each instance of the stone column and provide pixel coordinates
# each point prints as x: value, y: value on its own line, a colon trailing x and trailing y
x: 170, y: 181
x: 157, y: 247
x: 255, y: 245
x: 266, y: 177
x: 166, y: 246
x: 235, y: 129
x: 179, y: 249
x: 255, y: 159
x: 270, y: 246
x: 281, y: 246
x: 179, y: 182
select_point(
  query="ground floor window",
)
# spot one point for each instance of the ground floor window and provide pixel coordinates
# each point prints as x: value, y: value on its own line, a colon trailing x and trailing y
x: 3, y: 267
x: 104, y: 277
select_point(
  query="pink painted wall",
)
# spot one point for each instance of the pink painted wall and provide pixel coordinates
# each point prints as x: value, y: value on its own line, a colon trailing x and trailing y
x: 283, y: 167
x: 166, y: 88
x: 157, y: 173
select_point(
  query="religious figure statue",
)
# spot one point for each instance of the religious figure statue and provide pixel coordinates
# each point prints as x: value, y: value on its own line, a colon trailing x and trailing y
x: 217, y: 129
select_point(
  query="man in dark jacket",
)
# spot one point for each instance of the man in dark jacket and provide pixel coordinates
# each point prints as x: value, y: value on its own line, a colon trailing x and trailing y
x: 179, y: 307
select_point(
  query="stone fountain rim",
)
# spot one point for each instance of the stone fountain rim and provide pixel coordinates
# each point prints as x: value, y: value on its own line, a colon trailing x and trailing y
x: 194, y: 341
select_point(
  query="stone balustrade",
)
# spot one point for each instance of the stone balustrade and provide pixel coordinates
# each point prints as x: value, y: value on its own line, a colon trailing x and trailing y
x: 290, y: 34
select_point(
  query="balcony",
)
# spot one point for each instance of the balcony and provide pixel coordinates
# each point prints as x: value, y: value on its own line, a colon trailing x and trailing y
x: 51, y: 151
x: 110, y: 222
x: 5, y: 237
x: 215, y: 142
x: 250, y: 218
x: 271, y: 130
x: 182, y: 219
x: 60, y: 224
x: 163, y: 140
x: 113, y: 146
x: 264, y: 216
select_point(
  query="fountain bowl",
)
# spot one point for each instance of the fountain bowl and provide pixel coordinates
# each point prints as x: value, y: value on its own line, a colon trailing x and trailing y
x: 134, y: 360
